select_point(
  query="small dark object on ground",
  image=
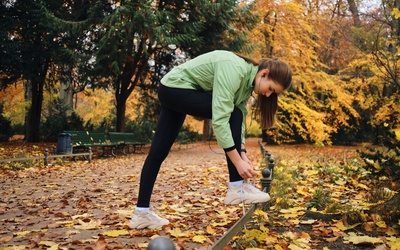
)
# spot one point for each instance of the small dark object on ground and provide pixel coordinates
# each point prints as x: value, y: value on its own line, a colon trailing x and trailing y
x: 161, y: 243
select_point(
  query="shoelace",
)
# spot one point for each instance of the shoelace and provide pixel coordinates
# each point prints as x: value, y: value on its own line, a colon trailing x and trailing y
x: 242, y: 195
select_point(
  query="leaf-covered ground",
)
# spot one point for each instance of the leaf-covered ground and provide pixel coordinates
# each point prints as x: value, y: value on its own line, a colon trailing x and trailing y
x: 81, y: 205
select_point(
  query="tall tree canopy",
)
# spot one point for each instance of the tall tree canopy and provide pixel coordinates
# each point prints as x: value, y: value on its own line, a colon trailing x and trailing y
x: 322, y: 41
x: 139, y: 30
x: 34, y: 35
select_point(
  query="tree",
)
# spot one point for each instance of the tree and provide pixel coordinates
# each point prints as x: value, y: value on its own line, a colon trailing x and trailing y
x: 298, y: 32
x: 138, y: 31
x: 32, y: 40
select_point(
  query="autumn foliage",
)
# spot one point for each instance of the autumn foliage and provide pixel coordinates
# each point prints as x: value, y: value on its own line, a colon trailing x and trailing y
x: 320, y: 199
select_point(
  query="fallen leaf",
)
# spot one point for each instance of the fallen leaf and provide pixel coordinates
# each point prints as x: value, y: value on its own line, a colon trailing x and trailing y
x: 356, y: 239
x: 6, y: 239
x: 332, y: 239
x: 210, y: 230
x: 381, y: 224
x: 116, y: 233
x: 52, y: 245
x: 93, y: 224
x: 199, y: 239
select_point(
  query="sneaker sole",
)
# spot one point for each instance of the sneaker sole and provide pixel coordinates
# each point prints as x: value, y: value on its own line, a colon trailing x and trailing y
x: 239, y: 200
x: 144, y: 225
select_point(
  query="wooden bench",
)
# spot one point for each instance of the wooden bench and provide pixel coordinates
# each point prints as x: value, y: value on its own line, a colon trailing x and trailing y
x: 125, y: 140
x: 85, y: 139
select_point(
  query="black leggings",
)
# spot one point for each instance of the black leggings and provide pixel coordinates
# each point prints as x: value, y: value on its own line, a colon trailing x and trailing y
x: 175, y: 105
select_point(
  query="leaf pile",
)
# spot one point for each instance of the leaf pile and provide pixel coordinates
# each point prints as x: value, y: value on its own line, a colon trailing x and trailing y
x: 321, y: 199
x: 81, y: 205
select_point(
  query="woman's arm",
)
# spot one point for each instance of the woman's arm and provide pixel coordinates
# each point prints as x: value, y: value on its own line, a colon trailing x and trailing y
x: 242, y: 164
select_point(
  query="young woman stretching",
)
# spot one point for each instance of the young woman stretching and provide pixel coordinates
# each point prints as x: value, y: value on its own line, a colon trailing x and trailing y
x: 215, y: 85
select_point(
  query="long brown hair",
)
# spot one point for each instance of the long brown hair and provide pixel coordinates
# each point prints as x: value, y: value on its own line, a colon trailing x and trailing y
x: 281, y: 73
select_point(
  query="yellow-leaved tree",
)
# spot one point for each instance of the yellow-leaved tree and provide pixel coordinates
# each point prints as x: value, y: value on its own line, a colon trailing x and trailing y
x: 318, y: 102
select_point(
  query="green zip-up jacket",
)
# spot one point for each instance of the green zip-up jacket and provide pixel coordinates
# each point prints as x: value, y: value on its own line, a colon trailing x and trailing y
x: 230, y: 80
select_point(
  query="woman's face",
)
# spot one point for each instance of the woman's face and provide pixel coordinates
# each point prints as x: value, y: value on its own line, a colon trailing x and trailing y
x: 263, y: 85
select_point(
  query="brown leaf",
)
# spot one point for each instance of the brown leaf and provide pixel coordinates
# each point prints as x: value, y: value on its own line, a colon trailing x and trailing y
x: 332, y: 239
x: 100, y: 243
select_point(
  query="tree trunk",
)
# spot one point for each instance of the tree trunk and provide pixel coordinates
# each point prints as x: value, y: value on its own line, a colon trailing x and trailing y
x: 36, y: 82
x: 32, y: 121
x: 206, y: 130
x: 66, y: 90
x: 354, y: 12
x: 121, y: 108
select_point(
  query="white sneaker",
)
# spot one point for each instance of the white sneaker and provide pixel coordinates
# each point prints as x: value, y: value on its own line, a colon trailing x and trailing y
x: 148, y: 219
x: 246, y: 193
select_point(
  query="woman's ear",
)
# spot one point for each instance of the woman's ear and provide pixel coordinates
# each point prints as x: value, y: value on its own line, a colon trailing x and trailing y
x: 265, y: 72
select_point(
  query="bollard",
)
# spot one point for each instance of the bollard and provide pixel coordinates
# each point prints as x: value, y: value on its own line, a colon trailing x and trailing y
x: 271, y: 165
x: 267, y: 175
x: 46, y: 157
x: 90, y: 154
x: 161, y: 243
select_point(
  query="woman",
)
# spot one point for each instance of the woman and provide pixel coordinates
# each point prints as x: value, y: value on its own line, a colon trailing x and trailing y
x: 215, y: 85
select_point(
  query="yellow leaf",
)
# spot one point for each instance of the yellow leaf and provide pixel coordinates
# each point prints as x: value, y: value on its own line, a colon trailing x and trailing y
x: 178, y: 233
x: 271, y: 239
x: 199, y: 238
x: 287, y: 216
x: 342, y: 227
x: 303, y: 191
x: 52, y: 245
x: 93, y: 224
x: 212, y: 169
x: 22, y: 233
x: 22, y: 247
x: 264, y: 229
x: 295, y: 221
x: 341, y: 182
x: 355, y: 239
x: 116, y: 233
x: 393, y: 242
x: 143, y: 245
x: 396, y: 13
x: 381, y: 224
x: 254, y: 234
x: 210, y: 230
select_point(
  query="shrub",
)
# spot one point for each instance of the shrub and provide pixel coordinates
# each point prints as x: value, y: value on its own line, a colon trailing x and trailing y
x: 384, y: 161
x: 143, y: 130
x: 56, y: 120
x: 187, y: 135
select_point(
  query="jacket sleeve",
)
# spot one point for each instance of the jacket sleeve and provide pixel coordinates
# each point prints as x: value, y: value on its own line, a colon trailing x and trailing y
x: 227, y: 80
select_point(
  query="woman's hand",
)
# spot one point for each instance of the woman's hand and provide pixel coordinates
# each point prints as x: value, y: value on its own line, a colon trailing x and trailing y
x: 245, y: 169
x: 242, y: 164
x: 243, y: 155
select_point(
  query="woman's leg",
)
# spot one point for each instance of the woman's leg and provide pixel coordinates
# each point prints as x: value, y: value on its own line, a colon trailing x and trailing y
x: 168, y: 127
x: 235, y: 123
x: 175, y: 104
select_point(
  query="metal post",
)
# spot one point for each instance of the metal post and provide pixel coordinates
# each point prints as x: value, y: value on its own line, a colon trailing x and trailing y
x: 267, y: 174
x: 46, y: 155
x: 90, y: 154
x: 271, y: 165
